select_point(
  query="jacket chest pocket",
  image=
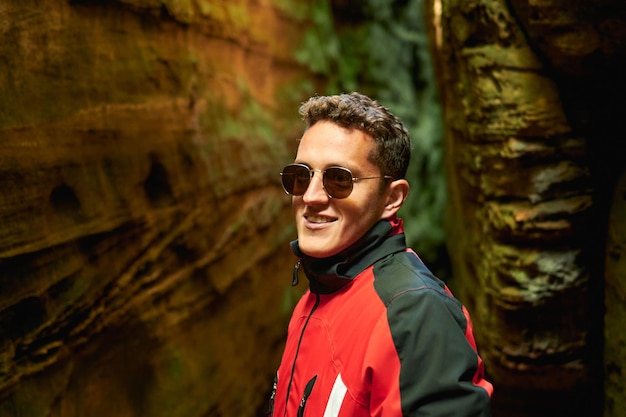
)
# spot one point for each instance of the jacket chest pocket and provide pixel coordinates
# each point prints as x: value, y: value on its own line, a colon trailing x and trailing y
x: 305, y: 395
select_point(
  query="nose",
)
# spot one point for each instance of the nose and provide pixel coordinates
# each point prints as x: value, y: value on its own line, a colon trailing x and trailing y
x: 315, y: 193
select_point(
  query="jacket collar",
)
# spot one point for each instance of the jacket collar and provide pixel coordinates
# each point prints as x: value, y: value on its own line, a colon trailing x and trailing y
x: 326, y: 275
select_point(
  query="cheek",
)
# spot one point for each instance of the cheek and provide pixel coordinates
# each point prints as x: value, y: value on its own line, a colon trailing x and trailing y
x: 359, y: 218
x: 296, y: 204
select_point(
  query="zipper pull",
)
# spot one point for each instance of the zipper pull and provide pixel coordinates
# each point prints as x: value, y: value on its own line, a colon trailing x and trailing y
x: 296, y: 269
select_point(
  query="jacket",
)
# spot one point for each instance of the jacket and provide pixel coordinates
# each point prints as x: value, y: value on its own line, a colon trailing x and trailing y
x: 377, y: 334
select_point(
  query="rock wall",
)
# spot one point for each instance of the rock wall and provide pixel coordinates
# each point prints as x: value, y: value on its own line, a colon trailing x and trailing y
x: 532, y: 95
x: 144, y: 266
x: 615, y: 306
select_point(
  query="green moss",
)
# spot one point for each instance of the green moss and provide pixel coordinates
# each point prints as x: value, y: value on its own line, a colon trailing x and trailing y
x: 250, y: 122
x: 296, y: 10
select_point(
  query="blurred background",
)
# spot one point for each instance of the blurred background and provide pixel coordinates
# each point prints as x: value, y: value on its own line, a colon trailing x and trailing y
x: 144, y: 260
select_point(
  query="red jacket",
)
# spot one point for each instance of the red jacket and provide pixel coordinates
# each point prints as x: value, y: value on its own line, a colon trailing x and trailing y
x: 377, y: 334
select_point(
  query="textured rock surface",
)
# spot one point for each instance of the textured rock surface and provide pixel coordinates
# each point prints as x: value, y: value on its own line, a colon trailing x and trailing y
x: 615, y: 302
x: 530, y: 93
x: 144, y: 266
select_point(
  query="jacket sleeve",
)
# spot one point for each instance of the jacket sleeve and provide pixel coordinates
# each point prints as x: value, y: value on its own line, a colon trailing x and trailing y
x: 440, y: 372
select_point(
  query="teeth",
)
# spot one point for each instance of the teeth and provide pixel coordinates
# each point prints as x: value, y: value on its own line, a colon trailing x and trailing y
x: 318, y: 219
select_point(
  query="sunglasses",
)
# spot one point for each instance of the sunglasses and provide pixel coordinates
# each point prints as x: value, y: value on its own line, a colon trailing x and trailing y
x: 337, y: 181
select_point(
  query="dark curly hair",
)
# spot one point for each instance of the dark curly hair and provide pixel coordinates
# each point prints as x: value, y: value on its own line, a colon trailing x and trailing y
x: 357, y: 111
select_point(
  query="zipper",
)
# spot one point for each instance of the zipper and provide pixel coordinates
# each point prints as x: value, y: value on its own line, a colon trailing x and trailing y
x: 305, y: 395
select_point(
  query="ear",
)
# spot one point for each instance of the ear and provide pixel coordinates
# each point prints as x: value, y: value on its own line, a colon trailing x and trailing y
x: 396, y: 194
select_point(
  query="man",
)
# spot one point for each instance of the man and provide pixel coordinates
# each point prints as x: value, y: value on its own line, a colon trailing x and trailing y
x: 376, y: 333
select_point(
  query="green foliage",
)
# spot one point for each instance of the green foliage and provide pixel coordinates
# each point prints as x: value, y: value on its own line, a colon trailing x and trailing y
x: 380, y: 47
x: 320, y: 45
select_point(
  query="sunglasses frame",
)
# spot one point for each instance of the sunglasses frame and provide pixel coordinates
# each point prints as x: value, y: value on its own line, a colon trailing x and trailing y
x: 327, y: 188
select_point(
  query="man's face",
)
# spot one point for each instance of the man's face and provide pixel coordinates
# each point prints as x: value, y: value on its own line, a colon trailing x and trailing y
x: 327, y: 225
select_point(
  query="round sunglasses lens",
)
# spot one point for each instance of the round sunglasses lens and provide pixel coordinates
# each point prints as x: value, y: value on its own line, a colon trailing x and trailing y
x: 338, y: 182
x: 296, y: 179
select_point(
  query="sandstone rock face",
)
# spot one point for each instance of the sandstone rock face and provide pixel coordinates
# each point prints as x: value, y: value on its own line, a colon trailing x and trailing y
x: 532, y: 95
x: 144, y: 265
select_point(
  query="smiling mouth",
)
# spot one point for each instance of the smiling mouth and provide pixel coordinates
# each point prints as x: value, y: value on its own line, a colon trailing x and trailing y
x: 319, y: 219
